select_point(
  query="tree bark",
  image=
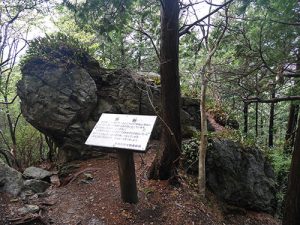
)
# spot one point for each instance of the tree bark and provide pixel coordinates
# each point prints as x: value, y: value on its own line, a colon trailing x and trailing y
x: 271, y: 122
x: 164, y: 166
x: 256, y: 119
x: 203, y: 137
x: 291, y: 215
x: 291, y: 127
x: 246, y: 104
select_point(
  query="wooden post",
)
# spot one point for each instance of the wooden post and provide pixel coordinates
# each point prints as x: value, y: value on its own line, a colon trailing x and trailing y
x: 127, y: 176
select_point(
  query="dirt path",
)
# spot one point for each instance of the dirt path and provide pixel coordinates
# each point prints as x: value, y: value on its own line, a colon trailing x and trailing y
x: 97, y: 201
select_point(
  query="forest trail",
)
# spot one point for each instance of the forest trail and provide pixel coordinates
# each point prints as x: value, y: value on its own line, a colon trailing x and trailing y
x: 214, y: 124
x: 92, y: 197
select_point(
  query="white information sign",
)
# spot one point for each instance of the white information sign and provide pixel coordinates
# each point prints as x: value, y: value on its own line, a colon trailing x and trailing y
x: 122, y: 131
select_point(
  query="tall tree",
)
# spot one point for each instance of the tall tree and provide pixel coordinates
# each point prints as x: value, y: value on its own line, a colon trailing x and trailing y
x: 291, y: 127
x: 291, y: 215
x: 164, y: 166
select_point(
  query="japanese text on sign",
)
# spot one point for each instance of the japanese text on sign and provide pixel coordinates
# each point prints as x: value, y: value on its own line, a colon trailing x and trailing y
x: 122, y: 131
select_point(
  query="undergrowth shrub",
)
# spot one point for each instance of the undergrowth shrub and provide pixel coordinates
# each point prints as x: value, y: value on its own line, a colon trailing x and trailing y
x: 281, y: 163
x: 222, y: 117
x: 56, y: 47
x: 189, y: 155
x: 190, y: 147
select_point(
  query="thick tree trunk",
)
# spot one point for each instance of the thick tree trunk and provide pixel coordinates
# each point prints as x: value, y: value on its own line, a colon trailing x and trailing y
x: 271, y: 122
x: 164, y: 166
x: 291, y: 127
x: 246, y: 104
x: 291, y: 215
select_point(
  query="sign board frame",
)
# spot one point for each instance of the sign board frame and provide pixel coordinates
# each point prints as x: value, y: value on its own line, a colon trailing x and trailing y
x: 127, y: 134
x: 122, y: 131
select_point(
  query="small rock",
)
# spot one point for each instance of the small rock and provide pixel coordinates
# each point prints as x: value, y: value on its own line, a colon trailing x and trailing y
x: 36, y: 173
x: 25, y: 193
x: 95, y: 221
x: 28, y: 209
x: 37, y: 186
x: 54, y: 179
x: 88, y: 176
x: 85, y: 181
x: 14, y: 200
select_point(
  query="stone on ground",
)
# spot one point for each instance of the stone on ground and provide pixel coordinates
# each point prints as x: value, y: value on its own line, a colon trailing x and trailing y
x: 36, y: 173
x: 11, y: 180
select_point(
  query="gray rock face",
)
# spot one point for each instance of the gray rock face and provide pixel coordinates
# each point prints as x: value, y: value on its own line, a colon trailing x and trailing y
x: 55, y: 96
x: 36, y: 173
x: 240, y: 176
x: 10, y: 179
x: 65, y: 101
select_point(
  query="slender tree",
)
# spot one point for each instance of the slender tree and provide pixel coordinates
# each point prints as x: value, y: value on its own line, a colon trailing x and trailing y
x: 271, y: 119
x: 206, y: 74
x: 245, y: 111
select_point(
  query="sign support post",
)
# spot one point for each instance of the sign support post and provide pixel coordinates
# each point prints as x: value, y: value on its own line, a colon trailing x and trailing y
x: 126, y: 134
x: 127, y: 177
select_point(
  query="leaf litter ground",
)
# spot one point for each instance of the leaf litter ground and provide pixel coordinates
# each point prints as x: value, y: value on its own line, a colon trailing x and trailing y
x: 92, y: 197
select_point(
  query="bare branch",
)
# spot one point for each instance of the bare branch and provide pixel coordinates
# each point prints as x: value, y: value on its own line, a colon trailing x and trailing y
x: 9, y: 103
x: 188, y: 27
x: 273, y: 100
x: 16, y: 123
x: 4, y: 140
x: 150, y: 38
x: 261, y: 51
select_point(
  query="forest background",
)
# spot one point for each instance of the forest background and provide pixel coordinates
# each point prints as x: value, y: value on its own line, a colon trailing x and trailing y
x: 241, y: 58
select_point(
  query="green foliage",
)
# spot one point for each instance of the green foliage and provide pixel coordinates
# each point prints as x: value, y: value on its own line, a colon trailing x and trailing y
x: 236, y: 136
x: 190, y: 151
x: 121, y: 31
x: 31, y: 147
x: 281, y: 163
x: 56, y: 47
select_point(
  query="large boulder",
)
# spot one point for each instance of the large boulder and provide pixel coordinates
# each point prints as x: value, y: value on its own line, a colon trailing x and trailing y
x: 11, y: 180
x: 64, y: 100
x: 238, y: 175
x: 241, y: 175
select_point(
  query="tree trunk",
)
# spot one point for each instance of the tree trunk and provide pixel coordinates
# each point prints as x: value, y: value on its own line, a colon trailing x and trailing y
x: 52, y: 154
x: 271, y: 122
x: 203, y: 137
x: 262, y: 122
x: 246, y: 104
x: 256, y: 119
x: 291, y: 127
x: 166, y: 161
x: 291, y: 215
